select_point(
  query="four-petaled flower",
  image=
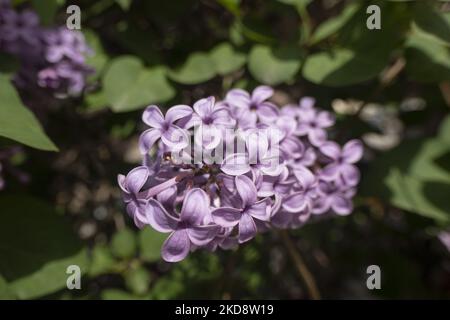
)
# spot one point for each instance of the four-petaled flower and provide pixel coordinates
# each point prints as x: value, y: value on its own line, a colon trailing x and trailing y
x: 164, y: 128
x: 191, y: 227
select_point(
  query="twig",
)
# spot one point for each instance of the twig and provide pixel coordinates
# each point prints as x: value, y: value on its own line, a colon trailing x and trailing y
x: 302, y: 269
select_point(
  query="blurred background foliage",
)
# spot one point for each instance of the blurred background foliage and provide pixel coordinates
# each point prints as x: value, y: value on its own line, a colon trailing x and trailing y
x: 390, y: 87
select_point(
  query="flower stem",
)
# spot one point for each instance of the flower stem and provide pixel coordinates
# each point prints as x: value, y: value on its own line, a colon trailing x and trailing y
x: 301, y: 267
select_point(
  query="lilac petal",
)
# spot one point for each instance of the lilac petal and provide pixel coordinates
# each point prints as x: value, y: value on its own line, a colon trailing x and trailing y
x: 350, y: 174
x: 175, y: 138
x: 283, y: 187
x: 260, y: 210
x: 204, y: 107
x: 147, y: 139
x: 352, y: 151
x: 238, y: 98
x: 295, y: 202
x: 195, y: 206
x: 136, y: 179
x: 317, y: 136
x: 261, y: 94
x: 307, y: 115
x: 293, y: 147
x: 330, y: 172
x: 176, y: 247
x: 257, y: 145
x: 272, y: 166
x: 325, y: 119
x: 153, y: 117
x: 321, y: 205
x: 341, y: 205
x: 178, y: 112
x: 247, y: 228
x: 304, y: 176
x: 267, y: 112
x: 282, y: 219
x: 121, y: 179
x: 290, y: 110
x: 226, y: 217
x: 235, y: 164
x: 331, y: 150
x: 229, y: 243
x: 266, y: 189
x: 159, y: 218
x: 202, y: 235
x: 167, y: 196
x: 287, y: 124
x: 227, y: 181
x: 302, y: 129
x: 221, y: 116
x: 207, y: 136
x: 307, y: 102
x: 246, y: 190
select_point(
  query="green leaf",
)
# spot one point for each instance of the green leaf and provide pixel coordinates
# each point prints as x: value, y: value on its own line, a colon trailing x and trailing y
x: 414, y: 177
x: 123, y: 244
x: 46, y: 9
x: 17, y: 122
x: 432, y: 22
x: 342, y: 67
x: 428, y: 60
x: 36, y: 247
x: 274, y: 66
x: 198, y: 68
x: 226, y: 59
x: 150, y: 242
x: 99, y: 58
x: 124, y: 4
x: 303, y: 3
x: 102, y: 261
x: 137, y: 280
x: 5, y: 292
x: 128, y: 85
x: 332, y: 25
x: 115, y: 294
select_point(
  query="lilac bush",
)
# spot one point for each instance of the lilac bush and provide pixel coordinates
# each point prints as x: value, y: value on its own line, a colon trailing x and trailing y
x: 218, y: 173
x: 52, y: 59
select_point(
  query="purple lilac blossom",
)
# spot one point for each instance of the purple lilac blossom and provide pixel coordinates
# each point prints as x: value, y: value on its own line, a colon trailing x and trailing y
x: 204, y: 204
x: 53, y: 60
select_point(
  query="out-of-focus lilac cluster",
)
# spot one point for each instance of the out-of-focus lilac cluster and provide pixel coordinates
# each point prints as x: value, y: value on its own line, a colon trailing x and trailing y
x: 287, y: 171
x: 51, y: 59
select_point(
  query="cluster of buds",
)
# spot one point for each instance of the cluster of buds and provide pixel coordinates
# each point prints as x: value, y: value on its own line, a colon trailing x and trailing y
x: 52, y: 59
x: 217, y: 173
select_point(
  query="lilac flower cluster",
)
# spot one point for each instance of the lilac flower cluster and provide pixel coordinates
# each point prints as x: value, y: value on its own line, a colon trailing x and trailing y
x: 202, y: 202
x: 52, y: 59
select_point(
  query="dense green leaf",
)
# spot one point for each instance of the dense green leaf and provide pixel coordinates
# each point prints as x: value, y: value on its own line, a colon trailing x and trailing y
x: 432, y: 22
x: 98, y: 58
x: 342, y: 67
x: 128, y: 85
x: 124, y: 4
x: 115, y: 294
x: 5, y: 292
x: 102, y: 261
x: 226, y: 59
x: 274, y: 66
x: 418, y: 183
x: 123, y: 243
x: 198, y: 68
x: 17, y: 122
x: 36, y: 247
x: 150, y: 242
x: 428, y: 60
x: 46, y: 9
x: 332, y: 25
x: 137, y: 280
